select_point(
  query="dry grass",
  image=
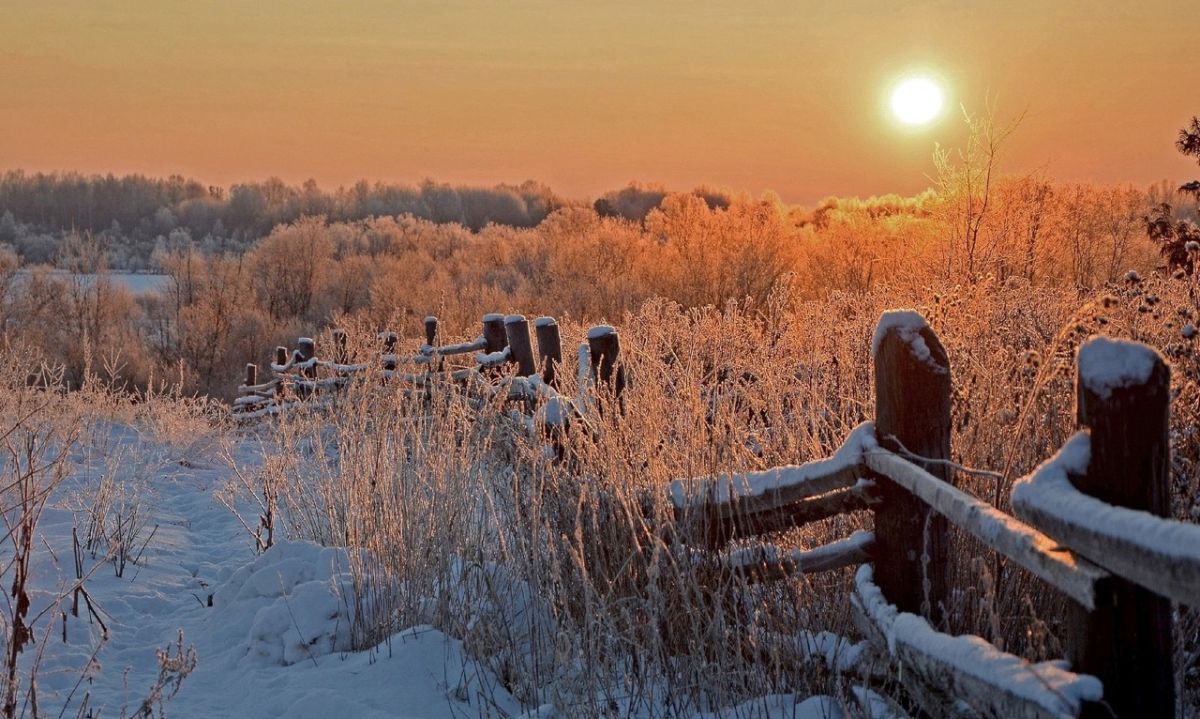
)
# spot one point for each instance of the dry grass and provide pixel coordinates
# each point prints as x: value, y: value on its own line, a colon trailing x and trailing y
x: 559, y: 576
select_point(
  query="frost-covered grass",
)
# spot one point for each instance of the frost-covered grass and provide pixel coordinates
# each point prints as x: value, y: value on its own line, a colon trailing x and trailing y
x: 551, y: 573
x: 430, y: 533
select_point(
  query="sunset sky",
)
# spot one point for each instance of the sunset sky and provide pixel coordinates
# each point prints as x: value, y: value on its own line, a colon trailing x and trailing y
x: 587, y: 96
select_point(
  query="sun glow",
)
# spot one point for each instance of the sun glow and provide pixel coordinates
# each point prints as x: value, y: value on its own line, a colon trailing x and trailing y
x: 917, y: 101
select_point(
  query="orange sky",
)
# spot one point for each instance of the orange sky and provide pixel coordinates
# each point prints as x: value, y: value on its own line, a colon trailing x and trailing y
x: 587, y: 95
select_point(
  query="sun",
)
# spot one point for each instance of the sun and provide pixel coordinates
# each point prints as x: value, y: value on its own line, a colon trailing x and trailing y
x: 917, y: 101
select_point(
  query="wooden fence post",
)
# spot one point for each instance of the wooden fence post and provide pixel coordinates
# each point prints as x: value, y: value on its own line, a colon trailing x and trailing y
x: 389, y: 348
x: 516, y: 329
x: 307, y: 348
x: 912, y: 408
x: 431, y: 331
x: 1123, y: 392
x: 281, y: 358
x: 604, y: 345
x: 493, y: 333
x: 549, y: 349
x: 251, y: 374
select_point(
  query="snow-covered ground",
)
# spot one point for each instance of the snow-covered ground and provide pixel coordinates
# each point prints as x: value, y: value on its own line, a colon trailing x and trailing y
x: 275, y: 640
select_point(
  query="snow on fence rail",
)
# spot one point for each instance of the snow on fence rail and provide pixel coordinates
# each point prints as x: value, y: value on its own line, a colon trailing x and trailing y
x: 503, y: 344
x: 1094, y: 525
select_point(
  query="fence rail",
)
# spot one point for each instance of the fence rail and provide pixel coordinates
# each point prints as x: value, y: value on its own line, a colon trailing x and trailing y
x: 1092, y: 522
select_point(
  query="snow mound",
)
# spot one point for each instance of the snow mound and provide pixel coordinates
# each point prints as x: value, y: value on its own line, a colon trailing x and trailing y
x: 781, y: 706
x: 556, y: 412
x: 292, y: 604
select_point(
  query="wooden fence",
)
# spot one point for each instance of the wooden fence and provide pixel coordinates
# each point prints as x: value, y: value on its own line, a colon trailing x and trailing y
x: 1092, y: 521
x: 502, y: 362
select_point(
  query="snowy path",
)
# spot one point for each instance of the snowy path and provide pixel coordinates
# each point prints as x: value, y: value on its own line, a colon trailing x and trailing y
x: 196, y: 551
x: 274, y: 643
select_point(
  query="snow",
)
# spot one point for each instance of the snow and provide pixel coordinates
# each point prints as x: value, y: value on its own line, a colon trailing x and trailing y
x: 513, y: 319
x: 1049, y: 489
x: 1106, y: 364
x: 730, y: 487
x: 1047, y: 684
x: 461, y: 348
x: 909, y: 324
x: 492, y: 317
x: 275, y: 640
x: 875, y: 706
x: 556, y: 412
x: 138, y: 283
x: 491, y: 359
x: 781, y: 706
x: 601, y: 331
x: 544, y: 322
x: 430, y: 318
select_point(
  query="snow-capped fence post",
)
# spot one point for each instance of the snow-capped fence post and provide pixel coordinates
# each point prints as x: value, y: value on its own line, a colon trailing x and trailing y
x: 493, y: 333
x: 251, y: 375
x: 281, y: 359
x: 549, y: 349
x: 1123, y: 395
x: 389, y: 350
x: 431, y: 331
x: 604, y: 346
x: 516, y: 329
x: 912, y: 417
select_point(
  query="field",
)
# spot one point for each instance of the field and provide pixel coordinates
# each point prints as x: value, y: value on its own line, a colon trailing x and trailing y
x: 387, y: 535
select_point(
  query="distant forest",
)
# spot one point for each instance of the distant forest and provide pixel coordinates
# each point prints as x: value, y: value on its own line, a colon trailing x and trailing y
x: 137, y: 218
x: 133, y: 216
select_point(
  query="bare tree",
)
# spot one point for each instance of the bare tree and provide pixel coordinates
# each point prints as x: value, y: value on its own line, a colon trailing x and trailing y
x: 966, y: 181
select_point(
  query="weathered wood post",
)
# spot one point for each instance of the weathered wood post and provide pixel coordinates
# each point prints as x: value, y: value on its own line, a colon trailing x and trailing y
x: 912, y: 409
x: 493, y: 333
x: 431, y: 331
x: 1123, y: 394
x: 604, y: 347
x: 389, y: 349
x: 340, y: 354
x: 307, y: 348
x: 516, y: 329
x: 251, y: 374
x: 281, y: 358
x: 549, y: 349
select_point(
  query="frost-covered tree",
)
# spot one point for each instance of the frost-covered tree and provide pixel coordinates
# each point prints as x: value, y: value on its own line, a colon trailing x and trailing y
x: 1178, y: 238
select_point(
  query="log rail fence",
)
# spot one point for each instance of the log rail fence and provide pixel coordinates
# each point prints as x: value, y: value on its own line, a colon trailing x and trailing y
x: 1092, y: 521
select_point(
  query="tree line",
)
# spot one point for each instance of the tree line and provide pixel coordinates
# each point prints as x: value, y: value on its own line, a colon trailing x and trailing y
x: 325, y: 259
